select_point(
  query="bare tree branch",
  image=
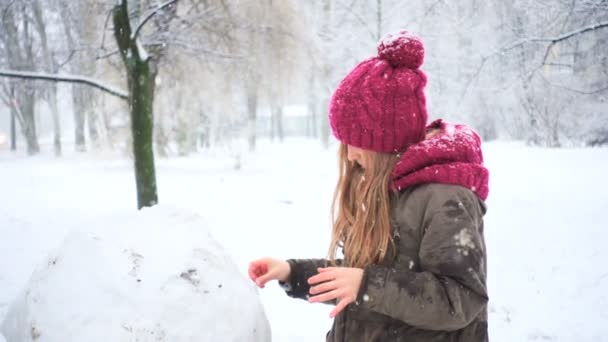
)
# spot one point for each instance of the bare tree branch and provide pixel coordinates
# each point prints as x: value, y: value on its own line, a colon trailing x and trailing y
x: 360, y: 19
x: 343, y: 18
x: 568, y: 35
x: 430, y: 9
x: 17, y: 111
x: 66, y: 78
x: 5, y: 9
x: 188, y: 20
x: 103, y: 35
x: 574, y: 90
x: 108, y: 54
x: 67, y: 60
x: 552, y: 40
x: 4, y: 94
x: 194, y: 48
x: 149, y: 16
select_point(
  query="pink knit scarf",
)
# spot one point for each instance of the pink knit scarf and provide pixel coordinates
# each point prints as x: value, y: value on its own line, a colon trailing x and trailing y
x: 452, y: 156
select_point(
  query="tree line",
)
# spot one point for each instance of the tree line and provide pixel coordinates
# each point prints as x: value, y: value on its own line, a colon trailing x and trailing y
x: 188, y: 74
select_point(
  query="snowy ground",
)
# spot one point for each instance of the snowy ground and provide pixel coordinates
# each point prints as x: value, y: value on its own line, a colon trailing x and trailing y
x: 545, y: 228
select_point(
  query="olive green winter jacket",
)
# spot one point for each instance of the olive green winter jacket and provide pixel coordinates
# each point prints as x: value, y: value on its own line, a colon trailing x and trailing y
x: 432, y: 287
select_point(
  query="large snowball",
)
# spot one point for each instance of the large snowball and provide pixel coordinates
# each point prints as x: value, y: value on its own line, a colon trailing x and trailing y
x: 154, y: 275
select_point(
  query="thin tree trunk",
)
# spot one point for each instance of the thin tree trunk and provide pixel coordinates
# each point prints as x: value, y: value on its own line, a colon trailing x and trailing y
x: 87, y: 35
x: 279, y: 122
x: 28, y: 102
x: 324, y: 123
x: 528, y: 101
x: 311, y: 129
x: 555, y: 141
x: 160, y: 137
x: 27, y: 111
x: 273, y: 118
x: 56, y: 122
x: 50, y: 68
x: 378, y: 19
x: 92, y: 118
x: 252, y: 105
x: 13, y: 130
x: 326, y: 71
x: 18, y: 48
x: 77, y: 92
x: 79, y: 117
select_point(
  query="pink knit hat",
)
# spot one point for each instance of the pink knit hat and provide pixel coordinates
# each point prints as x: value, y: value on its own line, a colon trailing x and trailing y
x: 380, y: 105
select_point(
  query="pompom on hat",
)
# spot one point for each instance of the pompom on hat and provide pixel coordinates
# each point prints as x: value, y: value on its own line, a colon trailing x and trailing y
x: 380, y: 105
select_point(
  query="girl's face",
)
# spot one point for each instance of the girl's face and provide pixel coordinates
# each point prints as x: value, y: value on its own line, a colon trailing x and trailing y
x: 355, y: 155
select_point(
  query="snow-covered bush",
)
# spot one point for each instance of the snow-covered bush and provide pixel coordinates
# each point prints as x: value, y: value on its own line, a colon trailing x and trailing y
x: 154, y: 275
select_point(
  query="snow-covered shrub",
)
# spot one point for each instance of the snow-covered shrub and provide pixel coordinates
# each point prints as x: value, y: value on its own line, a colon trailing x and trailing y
x: 154, y: 275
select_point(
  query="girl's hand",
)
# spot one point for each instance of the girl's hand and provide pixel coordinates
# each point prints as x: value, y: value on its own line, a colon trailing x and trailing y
x: 340, y: 283
x: 263, y: 270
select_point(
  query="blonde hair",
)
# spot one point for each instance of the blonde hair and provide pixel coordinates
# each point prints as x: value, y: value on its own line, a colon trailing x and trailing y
x: 361, y: 209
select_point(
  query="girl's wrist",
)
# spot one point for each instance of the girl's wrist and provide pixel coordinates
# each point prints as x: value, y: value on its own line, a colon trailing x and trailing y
x: 286, y: 271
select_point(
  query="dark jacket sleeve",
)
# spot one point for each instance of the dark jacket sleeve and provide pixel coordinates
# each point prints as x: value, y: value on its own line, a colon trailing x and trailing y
x: 449, y: 291
x: 301, y: 269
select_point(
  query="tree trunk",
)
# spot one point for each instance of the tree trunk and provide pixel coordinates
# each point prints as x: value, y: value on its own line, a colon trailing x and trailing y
x: 87, y: 35
x: 27, y: 111
x: 326, y: 72
x: 533, y: 136
x: 272, y: 123
x: 79, y: 116
x: 142, y: 118
x: 161, y: 139
x: 378, y: 20
x: 50, y: 68
x: 311, y: 127
x: 13, y: 130
x: 279, y: 123
x: 141, y: 84
x: 325, y: 123
x: 56, y: 122
x: 17, y: 46
x: 554, y: 140
x: 28, y: 101
x: 91, y: 117
x: 252, y: 106
x: 78, y: 92
x: 22, y: 104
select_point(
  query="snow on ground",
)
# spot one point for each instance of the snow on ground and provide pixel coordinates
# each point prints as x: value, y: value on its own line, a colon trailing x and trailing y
x: 545, y: 228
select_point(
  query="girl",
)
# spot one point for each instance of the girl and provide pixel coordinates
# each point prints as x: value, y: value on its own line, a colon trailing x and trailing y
x: 407, y: 214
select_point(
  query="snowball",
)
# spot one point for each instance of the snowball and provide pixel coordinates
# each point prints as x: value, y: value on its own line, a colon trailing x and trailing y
x: 153, y: 275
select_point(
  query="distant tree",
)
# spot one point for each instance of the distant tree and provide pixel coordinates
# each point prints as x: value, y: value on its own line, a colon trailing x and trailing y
x: 50, y: 65
x: 17, y: 36
x: 557, y: 55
